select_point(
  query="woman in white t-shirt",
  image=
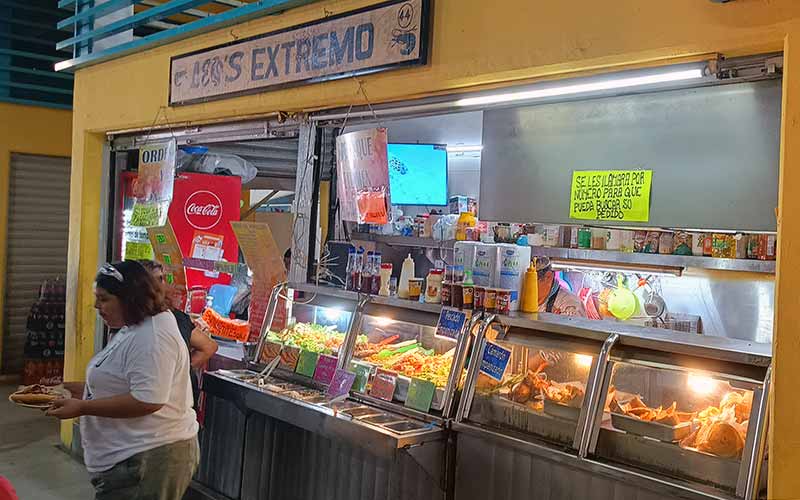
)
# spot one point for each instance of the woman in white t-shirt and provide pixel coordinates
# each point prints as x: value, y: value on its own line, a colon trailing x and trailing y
x: 138, y: 428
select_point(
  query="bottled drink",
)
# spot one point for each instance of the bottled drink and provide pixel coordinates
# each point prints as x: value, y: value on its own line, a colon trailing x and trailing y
x: 358, y: 268
x: 366, y: 273
x: 350, y: 283
x: 375, y: 285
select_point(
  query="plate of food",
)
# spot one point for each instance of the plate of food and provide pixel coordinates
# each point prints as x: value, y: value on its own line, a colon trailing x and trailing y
x: 38, y: 396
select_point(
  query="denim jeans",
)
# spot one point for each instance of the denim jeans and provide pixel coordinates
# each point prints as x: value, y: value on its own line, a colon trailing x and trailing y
x: 162, y: 473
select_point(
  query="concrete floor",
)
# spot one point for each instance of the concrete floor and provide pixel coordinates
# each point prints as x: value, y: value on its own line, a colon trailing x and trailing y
x: 30, y: 458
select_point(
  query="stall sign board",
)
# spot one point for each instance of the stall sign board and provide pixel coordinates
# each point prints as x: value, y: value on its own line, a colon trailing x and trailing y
x: 386, y: 36
x: 326, y: 368
x: 341, y: 383
x: 266, y: 261
x: 611, y: 195
x: 383, y: 385
x: 420, y: 395
x: 494, y: 361
x: 362, y: 372
x: 451, y: 323
x: 307, y: 363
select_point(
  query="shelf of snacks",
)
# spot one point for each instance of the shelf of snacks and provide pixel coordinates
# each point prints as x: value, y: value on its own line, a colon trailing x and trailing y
x: 588, y: 256
x: 605, y: 257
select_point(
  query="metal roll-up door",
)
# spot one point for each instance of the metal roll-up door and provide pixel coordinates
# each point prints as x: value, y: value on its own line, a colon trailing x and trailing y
x: 38, y: 230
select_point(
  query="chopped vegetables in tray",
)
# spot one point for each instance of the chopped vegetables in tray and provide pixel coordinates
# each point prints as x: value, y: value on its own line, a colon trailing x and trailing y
x: 412, y: 360
x: 312, y: 337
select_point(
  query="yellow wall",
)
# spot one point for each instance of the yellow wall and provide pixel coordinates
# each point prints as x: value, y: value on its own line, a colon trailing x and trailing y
x: 32, y: 130
x: 475, y: 44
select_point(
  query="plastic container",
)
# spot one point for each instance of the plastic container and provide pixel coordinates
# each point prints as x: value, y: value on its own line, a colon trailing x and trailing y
x: 447, y: 293
x: 514, y: 261
x: 465, y: 220
x: 415, y: 286
x: 468, y: 297
x: 406, y: 274
x: 222, y: 296
x: 433, y: 288
x: 386, y: 276
x: 485, y: 267
x: 530, y: 290
x: 490, y: 300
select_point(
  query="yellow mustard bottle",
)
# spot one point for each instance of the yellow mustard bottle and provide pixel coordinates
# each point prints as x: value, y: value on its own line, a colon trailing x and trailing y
x: 530, y: 290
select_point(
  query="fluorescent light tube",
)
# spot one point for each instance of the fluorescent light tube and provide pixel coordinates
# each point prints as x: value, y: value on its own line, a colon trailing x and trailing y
x: 580, y: 88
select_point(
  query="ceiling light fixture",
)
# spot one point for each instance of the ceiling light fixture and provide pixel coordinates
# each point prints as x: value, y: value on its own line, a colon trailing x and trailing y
x: 581, y: 88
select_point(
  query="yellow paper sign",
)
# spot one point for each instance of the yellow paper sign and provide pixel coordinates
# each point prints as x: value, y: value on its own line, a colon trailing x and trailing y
x: 621, y: 195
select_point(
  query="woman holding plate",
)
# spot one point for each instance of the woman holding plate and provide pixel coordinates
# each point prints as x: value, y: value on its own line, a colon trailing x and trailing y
x: 138, y: 428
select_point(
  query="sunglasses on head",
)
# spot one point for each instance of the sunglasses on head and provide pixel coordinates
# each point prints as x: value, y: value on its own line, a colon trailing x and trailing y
x: 111, y: 271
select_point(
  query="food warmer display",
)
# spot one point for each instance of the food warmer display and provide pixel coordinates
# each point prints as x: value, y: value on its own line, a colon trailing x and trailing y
x: 369, y: 375
x: 604, y: 409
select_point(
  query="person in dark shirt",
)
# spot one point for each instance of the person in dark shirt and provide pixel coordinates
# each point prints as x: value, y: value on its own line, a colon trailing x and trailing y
x: 201, y: 346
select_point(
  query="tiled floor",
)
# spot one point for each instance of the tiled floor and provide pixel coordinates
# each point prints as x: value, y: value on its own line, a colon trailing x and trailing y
x: 30, y: 459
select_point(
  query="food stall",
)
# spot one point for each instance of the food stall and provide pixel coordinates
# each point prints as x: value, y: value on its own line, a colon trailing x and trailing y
x: 296, y: 433
x: 660, y: 392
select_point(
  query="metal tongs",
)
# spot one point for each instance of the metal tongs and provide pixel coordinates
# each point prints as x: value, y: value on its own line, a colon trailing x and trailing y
x: 264, y: 374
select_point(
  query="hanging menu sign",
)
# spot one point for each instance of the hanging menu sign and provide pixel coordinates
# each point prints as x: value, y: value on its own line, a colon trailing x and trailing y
x: 377, y: 38
x: 615, y: 195
x: 451, y: 323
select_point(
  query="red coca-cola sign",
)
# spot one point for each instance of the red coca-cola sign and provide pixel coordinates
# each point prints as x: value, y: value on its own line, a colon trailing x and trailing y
x: 203, y: 210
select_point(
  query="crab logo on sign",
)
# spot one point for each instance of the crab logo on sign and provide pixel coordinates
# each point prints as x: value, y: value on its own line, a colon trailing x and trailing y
x: 203, y: 210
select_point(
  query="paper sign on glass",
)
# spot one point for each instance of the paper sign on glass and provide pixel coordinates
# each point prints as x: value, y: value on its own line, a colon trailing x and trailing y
x: 494, y: 361
x: 363, y: 176
x: 451, y: 323
x: 613, y: 195
x: 383, y: 385
x: 341, y: 383
x: 420, y: 395
x: 326, y: 368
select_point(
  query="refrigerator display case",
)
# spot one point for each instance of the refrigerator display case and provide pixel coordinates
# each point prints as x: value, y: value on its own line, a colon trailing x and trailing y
x: 662, y: 414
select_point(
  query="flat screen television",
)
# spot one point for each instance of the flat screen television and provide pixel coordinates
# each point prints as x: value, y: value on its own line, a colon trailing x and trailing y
x: 418, y: 174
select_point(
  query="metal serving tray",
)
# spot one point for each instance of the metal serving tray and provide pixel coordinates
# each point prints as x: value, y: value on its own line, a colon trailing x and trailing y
x: 344, y: 405
x: 500, y: 412
x: 405, y: 426
x: 361, y: 412
x: 560, y: 410
x: 383, y: 418
x: 669, y: 459
x: 654, y: 430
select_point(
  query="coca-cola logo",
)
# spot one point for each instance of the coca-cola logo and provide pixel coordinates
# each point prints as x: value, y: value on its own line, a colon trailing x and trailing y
x: 203, y: 210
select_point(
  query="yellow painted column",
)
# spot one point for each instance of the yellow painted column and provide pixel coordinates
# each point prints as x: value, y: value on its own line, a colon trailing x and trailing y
x: 5, y: 171
x: 82, y: 258
x: 784, y: 440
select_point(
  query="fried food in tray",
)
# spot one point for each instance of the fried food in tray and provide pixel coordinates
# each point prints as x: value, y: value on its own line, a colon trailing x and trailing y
x: 716, y: 430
